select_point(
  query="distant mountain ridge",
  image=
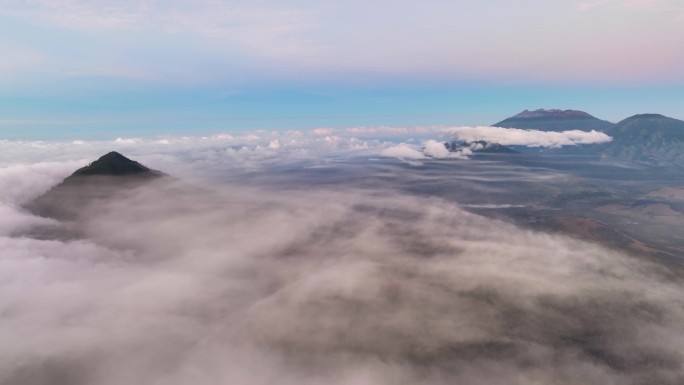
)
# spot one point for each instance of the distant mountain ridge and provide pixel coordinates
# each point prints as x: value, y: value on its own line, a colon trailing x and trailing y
x: 555, y: 120
x: 649, y: 127
x: 647, y: 137
x: 557, y: 113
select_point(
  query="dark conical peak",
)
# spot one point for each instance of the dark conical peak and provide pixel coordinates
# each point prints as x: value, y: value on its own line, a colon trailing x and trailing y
x: 114, y: 164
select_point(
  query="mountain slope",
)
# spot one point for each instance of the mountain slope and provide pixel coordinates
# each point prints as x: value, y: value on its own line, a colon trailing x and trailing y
x: 555, y: 120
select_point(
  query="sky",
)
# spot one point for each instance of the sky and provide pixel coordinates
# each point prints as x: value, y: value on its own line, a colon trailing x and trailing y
x: 77, y: 69
x: 288, y: 247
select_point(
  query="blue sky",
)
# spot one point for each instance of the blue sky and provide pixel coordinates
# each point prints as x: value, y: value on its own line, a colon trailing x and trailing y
x: 92, y: 69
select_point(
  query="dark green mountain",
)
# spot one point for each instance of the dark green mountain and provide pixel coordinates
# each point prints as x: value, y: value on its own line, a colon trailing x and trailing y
x: 555, y: 120
x: 652, y: 138
x: 111, y: 175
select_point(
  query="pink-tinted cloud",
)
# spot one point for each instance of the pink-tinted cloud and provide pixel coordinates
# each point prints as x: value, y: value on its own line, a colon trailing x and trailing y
x: 630, y: 4
x: 172, y: 41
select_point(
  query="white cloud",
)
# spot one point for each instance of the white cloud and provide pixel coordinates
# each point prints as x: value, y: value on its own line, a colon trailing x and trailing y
x: 126, y: 140
x: 322, y: 131
x: 530, y: 138
x: 215, y: 153
x: 318, y: 142
x: 436, y: 149
x: 403, y: 151
x: 20, y: 183
x: 430, y: 149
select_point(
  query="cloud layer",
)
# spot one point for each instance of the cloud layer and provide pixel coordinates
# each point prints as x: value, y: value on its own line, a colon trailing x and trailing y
x: 248, y: 284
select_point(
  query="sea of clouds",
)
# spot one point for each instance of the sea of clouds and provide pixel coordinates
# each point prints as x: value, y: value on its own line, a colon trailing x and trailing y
x: 255, y: 148
x: 243, y: 283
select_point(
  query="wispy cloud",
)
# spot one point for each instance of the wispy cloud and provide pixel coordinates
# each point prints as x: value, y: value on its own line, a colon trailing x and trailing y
x: 632, y: 5
x: 17, y: 58
x: 218, y: 40
x: 268, y: 30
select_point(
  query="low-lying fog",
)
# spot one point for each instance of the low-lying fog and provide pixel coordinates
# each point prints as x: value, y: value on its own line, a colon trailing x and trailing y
x: 250, y: 284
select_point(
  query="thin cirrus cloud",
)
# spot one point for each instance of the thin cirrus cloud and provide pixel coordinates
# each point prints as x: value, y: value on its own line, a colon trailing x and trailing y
x: 326, y: 40
x: 655, y: 5
x: 264, y: 29
x: 161, y: 42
